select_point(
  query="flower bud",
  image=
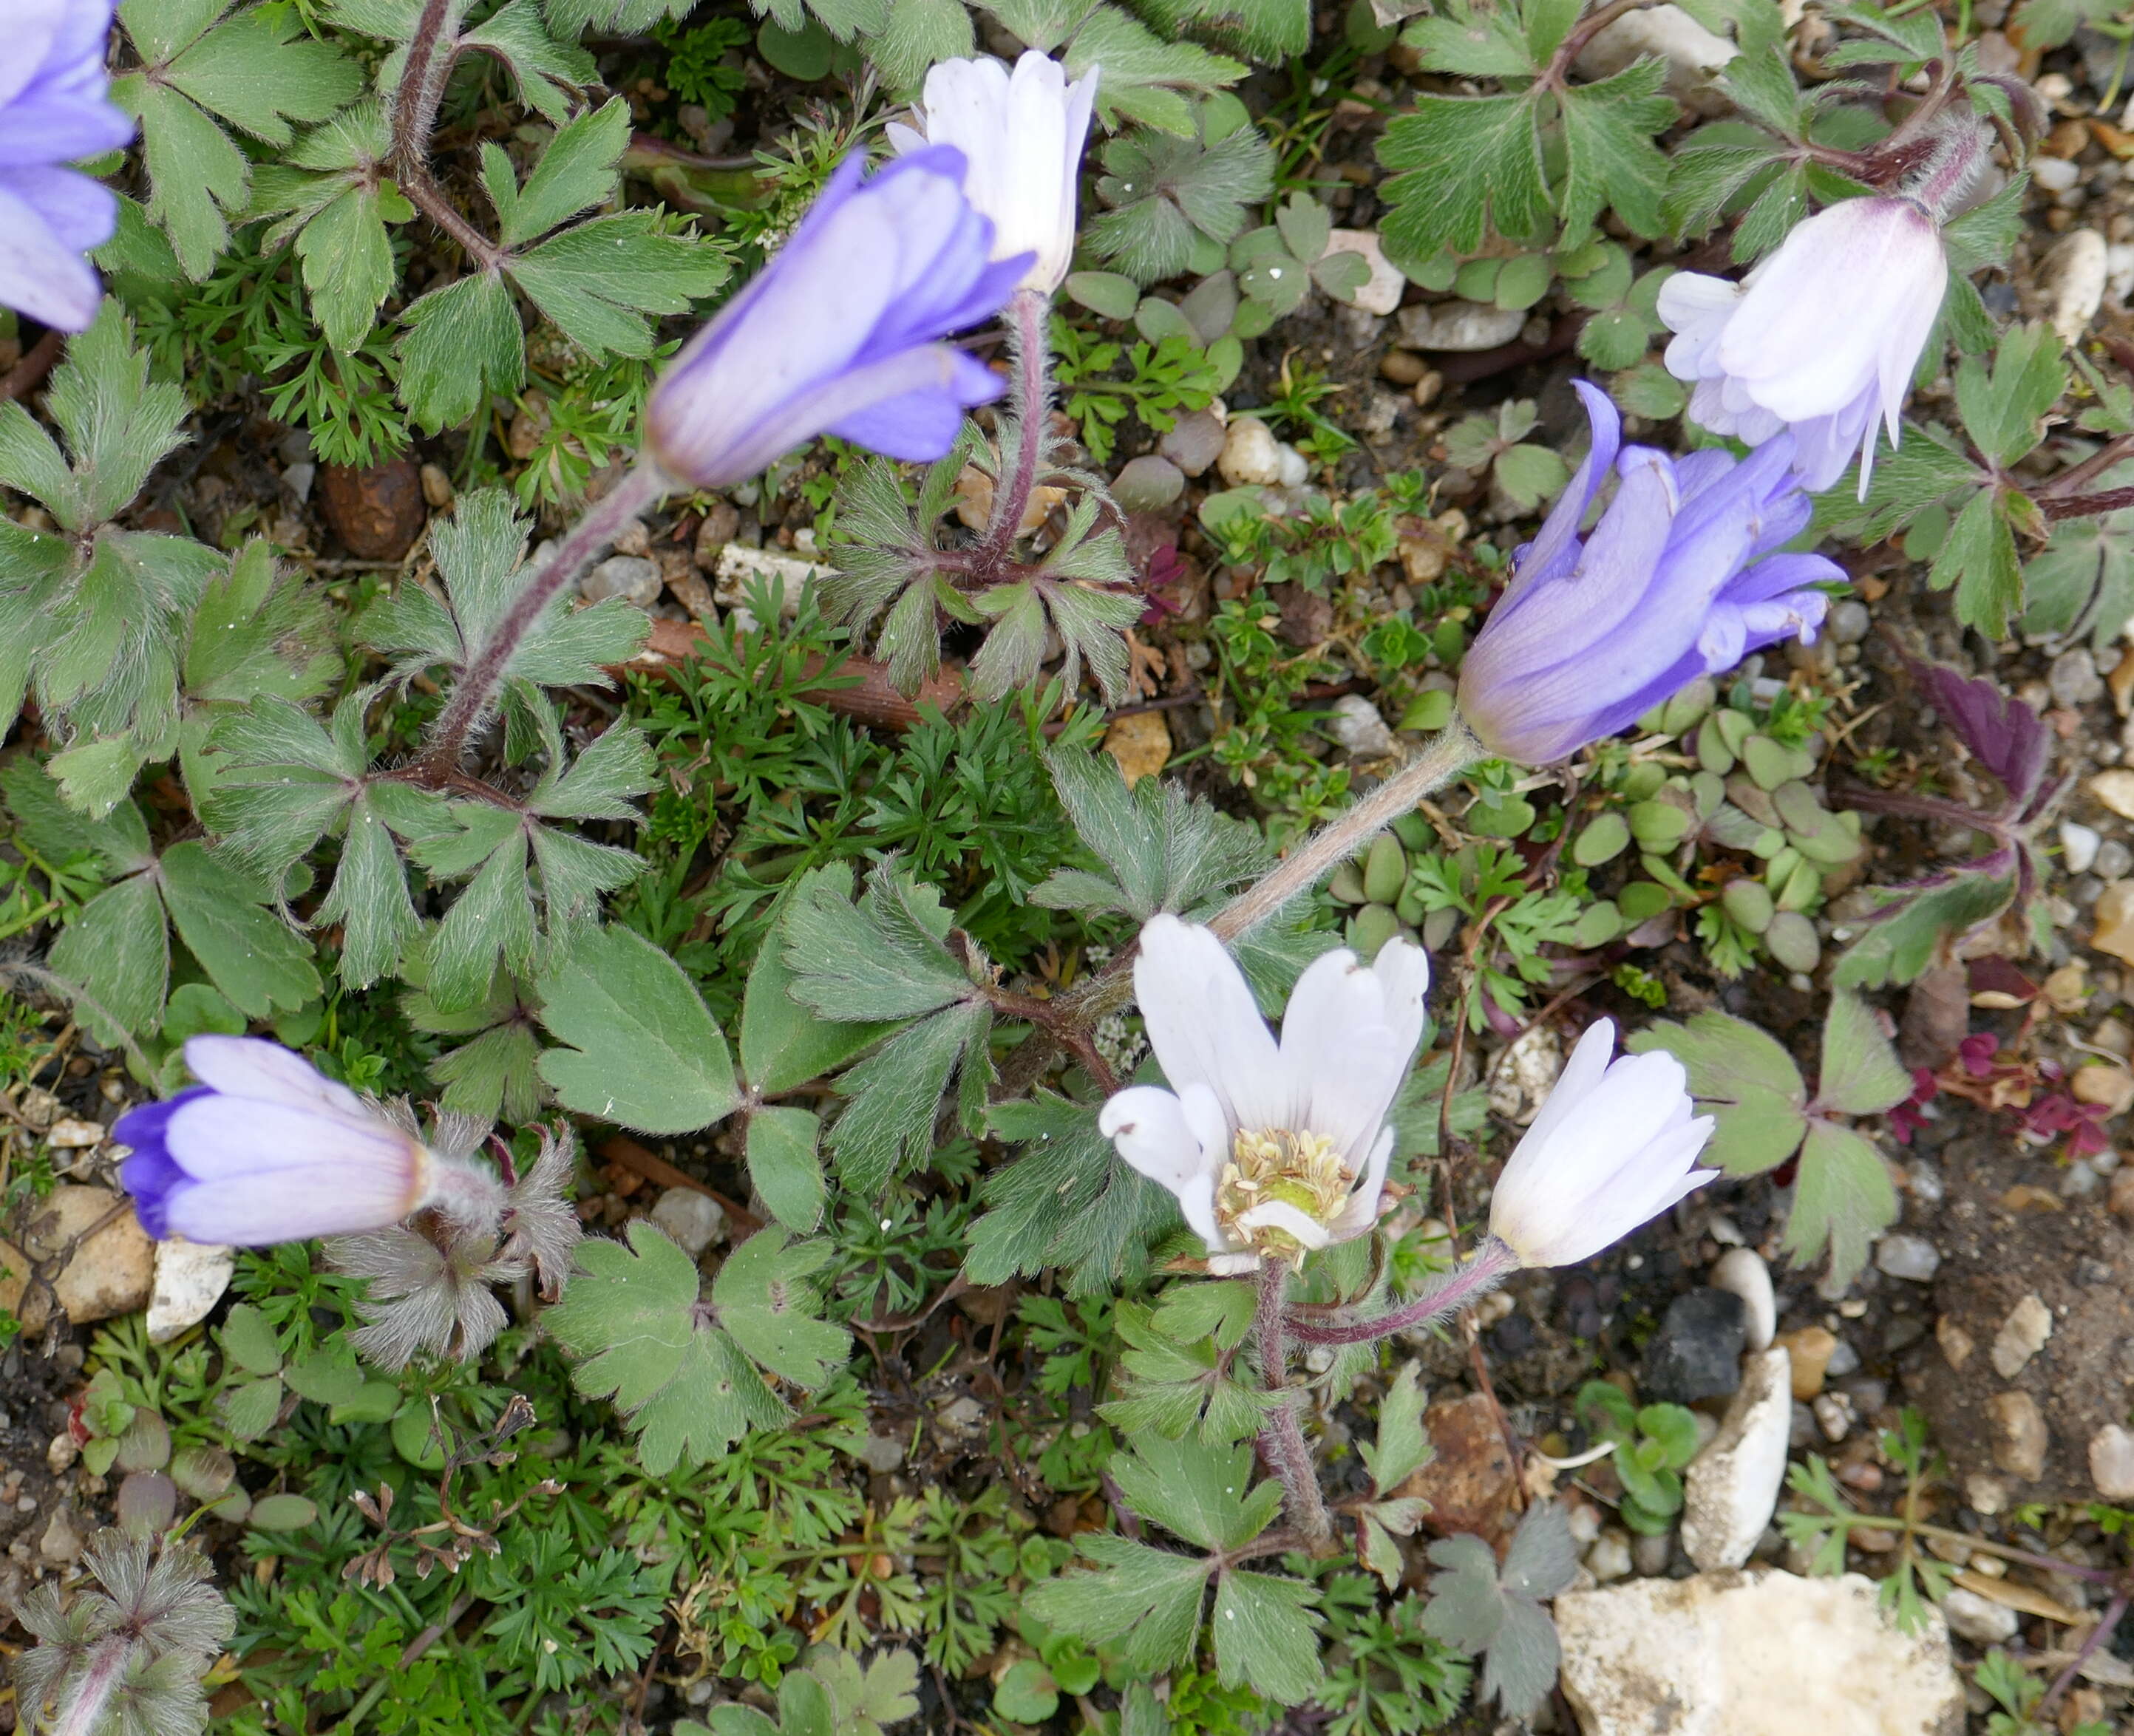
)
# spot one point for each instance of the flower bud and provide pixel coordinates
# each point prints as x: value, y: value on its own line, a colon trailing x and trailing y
x: 1022, y: 133
x: 267, y: 1150
x: 838, y: 333
x: 1614, y: 1146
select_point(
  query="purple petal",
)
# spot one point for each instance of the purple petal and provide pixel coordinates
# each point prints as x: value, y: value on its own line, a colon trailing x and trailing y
x: 1556, y: 547
x: 253, y: 1211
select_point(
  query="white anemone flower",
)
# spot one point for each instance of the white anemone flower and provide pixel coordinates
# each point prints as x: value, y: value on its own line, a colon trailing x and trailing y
x: 1821, y: 337
x: 1022, y: 133
x: 1614, y: 1146
x: 1272, y: 1150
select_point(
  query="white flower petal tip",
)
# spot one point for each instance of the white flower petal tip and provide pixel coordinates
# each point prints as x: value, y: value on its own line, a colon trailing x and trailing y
x: 1022, y: 132
x: 1616, y: 1145
x: 1272, y: 1150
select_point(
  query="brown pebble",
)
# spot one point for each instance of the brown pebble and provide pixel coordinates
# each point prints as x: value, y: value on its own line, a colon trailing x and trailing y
x: 1402, y: 367
x: 377, y: 512
x: 1957, y: 1344
x: 1427, y: 387
x: 2122, y: 1193
x: 436, y: 487
x: 1811, y: 1349
x: 2020, y: 1437
x: 2067, y: 140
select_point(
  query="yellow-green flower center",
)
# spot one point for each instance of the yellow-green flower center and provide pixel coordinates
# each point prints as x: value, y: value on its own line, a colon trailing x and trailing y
x: 1274, y: 1163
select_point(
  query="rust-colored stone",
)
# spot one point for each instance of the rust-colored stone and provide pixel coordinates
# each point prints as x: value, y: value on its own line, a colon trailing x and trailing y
x: 1470, y: 1484
x: 379, y: 512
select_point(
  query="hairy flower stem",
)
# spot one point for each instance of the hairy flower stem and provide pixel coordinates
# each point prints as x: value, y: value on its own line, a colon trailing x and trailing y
x: 470, y: 1194
x: 1341, y: 836
x: 1490, y: 1266
x: 415, y: 101
x: 1281, y: 1436
x: 1032, y: 402
x: 586, y: 542
x: 1080, y: 1007
x: 1959, y: 153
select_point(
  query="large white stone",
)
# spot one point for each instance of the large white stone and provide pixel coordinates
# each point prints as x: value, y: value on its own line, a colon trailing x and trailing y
x: 740, y: 568
x: 1732, y: 1487
x: 1382, y: 291
x: 1460, y: 326
x: 2074, y: 275
x: 1693, y: 55
x: 1753, y: 1654
x: 190, y: 1277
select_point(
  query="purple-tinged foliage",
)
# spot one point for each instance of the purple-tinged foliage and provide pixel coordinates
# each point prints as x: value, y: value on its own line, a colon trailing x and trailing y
x: 1680, y: 578
x: 53, y: 111
x: 840, y: 333
x: 1924, y: 917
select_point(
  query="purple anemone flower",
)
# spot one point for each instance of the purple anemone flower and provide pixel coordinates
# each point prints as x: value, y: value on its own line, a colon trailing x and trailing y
x: 267, y: 1149
x: 53, y: 110
x: 840, y: 333
x: 1678, y: 579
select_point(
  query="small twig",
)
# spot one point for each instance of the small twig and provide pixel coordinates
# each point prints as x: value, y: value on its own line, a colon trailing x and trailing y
x: 2090, y: 1642
x: 27, y: 374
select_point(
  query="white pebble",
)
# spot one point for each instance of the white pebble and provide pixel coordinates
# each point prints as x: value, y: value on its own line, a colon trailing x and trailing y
x: 1742, y: 1271
x: 693, y: 1220
x: 1980, y: 1620
x: 1911, y: 1257
x: 2080, y: 847
x: 2075, y: 273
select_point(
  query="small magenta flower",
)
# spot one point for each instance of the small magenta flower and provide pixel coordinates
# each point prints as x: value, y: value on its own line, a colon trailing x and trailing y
x: 1615, y: 1145
x: 1822, y: 338
x: 53, y: 111
x: 267, y: 1149
x: 1272, y: 1150
x: 840, y: 332
x: 1678, y: 579
x: 1022, y: 133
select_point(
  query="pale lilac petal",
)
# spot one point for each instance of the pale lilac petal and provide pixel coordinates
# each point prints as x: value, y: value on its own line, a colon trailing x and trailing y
x: 250, y: 1066
x: 253, y: 1211
x: 218, y: 1138
x: 841, y: 330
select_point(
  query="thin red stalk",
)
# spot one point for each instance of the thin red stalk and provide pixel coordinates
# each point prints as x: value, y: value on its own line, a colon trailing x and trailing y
x: 589, y: 538
x: 1490, y: 1264
x: 2085, y: 506
x: 1281, y: 1436
x: 2090, y: 1642
x: 2078, y: 476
